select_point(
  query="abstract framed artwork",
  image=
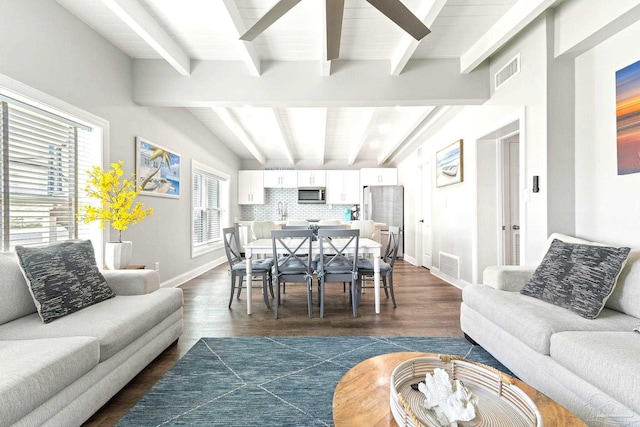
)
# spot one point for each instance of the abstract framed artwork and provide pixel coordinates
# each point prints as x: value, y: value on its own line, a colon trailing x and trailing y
x: 157, y: 170
x: 449, y: 167
x: 628, y: 119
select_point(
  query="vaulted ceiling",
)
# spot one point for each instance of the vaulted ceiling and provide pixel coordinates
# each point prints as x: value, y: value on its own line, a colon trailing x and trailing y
x: 277, y: 101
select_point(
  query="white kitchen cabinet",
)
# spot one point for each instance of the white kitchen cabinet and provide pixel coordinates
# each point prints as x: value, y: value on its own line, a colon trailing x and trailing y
x: 280, y: 178
x: 312, y: 178
x: 343, y: 187
x: 250, y: 188
x: 378, y: 176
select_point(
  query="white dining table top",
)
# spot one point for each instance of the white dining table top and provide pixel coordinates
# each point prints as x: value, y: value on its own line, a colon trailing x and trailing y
x: 261, y: 245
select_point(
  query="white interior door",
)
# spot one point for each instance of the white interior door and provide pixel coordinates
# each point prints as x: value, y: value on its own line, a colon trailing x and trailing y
x: 511, y: 200
x: 425, y: 217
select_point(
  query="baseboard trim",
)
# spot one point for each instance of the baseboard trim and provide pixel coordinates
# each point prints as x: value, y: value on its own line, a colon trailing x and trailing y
x: 188, y: 275
x: 458, y: 283
x: 411, y: 260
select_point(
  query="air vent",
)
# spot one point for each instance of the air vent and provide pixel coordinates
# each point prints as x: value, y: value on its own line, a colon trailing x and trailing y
x: 507, y: 72
x: 450, y: 265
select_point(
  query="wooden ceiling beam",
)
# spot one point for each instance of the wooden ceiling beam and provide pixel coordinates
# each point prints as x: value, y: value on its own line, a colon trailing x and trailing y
x: 248, y: 52
x: 234, y: 126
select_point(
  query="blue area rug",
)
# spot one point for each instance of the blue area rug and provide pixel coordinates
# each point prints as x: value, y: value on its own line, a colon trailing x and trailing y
x: 271, y: 381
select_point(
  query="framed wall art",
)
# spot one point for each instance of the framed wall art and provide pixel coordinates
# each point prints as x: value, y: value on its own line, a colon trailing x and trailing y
x: 157, y: 169
x: 449, y: 167
x: 628, y: 118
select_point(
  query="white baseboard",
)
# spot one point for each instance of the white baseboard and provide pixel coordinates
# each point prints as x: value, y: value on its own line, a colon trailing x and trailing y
x: 411, y: 260
x: 458, y: 283
x: 186, y: 276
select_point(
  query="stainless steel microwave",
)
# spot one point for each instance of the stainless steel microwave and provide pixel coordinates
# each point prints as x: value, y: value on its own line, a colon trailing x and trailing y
x: 311, y: 195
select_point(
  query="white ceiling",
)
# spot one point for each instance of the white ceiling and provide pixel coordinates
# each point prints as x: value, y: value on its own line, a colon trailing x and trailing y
x: 183, y: 32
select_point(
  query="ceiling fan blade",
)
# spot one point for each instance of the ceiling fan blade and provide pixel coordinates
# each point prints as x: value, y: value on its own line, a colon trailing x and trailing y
x: 275, y: 13
x: 334, y: 11
x: 398, y: 13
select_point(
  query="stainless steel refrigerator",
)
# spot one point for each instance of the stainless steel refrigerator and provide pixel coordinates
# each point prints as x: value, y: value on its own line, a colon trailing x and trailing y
x: 385, y: 203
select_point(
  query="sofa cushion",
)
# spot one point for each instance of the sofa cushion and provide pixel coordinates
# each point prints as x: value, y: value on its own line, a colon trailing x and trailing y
x: 63, y: 278
x: 534, y: 321
x: 608, y: 360
x: 577, y: 277
x: 116, y: 322
x: 626, y: 295
x: 15, y: 299
x: 33, y: 371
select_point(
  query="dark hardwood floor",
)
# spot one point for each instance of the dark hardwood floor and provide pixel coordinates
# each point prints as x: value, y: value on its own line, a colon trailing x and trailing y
x: 426, y: 306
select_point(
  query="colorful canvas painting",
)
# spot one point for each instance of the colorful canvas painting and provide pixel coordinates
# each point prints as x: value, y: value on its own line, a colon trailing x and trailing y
x: 449, y: 165
x: 628, y: 118
x: 157, y: 170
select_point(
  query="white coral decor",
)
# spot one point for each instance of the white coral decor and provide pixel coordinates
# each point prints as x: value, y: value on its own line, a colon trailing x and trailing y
x: 449, y: 405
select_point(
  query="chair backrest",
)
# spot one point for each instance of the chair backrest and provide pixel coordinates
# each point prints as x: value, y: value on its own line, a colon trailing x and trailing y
x: 367, y: 227
x: 391, y: 251
x: 262, y: 229
x: 299, y: 222
x: 292, y: 250
x: 335, y: 246
x: 231, y: 245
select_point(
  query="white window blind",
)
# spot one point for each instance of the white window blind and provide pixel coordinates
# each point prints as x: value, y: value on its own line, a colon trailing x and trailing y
x: 40, y: 159
x: 208, y: 208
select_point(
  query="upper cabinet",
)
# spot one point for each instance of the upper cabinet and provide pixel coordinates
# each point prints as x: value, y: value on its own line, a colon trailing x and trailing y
x: 343, y: 187
x: 250, y: 188
x: 378, y: 176
x: 274, y: 178
x: 312, y: 178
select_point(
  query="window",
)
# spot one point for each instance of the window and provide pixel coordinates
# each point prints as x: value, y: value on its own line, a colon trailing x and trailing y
x: 210, y: 200
x: 41, y: 154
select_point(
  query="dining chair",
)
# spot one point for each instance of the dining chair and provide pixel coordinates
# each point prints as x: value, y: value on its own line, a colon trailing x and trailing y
x: 292, y: 252
x: 329, y: 222
x: 238, y: 267
x: 365, y: 266
x: 334, y: 263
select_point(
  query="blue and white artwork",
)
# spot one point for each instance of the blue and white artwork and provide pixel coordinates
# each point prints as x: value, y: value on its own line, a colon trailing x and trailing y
x: 157, y: 170
x: 449, y: 165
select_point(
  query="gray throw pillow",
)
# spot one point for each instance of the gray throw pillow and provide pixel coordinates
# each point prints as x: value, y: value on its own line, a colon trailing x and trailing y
x: 63, y: 278
x: 577, y: 277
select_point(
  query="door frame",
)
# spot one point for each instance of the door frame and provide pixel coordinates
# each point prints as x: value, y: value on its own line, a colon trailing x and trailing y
x: 424, y: 161
x: 517, y: 116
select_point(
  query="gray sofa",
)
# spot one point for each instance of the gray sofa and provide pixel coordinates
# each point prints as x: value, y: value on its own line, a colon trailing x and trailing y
x: 589, y: 366
x: 60, y: 373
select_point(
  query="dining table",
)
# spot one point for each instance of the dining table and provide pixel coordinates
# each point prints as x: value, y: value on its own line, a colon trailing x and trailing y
x: 365, y: 247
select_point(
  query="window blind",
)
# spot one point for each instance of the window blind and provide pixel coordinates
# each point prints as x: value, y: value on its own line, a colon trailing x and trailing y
x: 40, y: 180
x: 207, y: 210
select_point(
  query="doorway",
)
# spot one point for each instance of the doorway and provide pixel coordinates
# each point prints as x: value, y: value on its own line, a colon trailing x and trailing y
x: 424, y: 220
x: 500, y: 178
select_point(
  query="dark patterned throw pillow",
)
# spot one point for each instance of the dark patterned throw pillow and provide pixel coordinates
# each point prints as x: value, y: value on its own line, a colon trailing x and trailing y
x: 577, y: 277
x: 63, y: 278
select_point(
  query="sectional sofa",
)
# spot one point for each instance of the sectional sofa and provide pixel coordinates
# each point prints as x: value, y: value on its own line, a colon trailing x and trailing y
x: 590, y: 366
x: 60, y: 373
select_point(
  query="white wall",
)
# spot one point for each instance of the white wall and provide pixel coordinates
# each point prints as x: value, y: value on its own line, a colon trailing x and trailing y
x: 607, y: 204
x: 569, y: 113
x: 47, y: 48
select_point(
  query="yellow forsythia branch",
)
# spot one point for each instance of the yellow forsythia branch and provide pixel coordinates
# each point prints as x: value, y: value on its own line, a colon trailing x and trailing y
x: 116, y: 197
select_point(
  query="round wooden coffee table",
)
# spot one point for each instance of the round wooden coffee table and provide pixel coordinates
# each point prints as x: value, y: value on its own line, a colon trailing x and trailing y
x: 362, y: 395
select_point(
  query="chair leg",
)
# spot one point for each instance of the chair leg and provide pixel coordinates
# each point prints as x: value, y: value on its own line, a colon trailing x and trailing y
x: 384, y: 285
x: 233, y: 288
x: 354, y: 297
x: 321, y: 296
x: 393, y: 297
x: 277, y: 303
x: 309, y: 296
x: 271, y: 284
x: 240, y: 286
x: 264, y: 290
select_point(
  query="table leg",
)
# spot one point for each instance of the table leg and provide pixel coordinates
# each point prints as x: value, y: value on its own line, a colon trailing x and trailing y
x: 376, y: 282
x: 249, y: 274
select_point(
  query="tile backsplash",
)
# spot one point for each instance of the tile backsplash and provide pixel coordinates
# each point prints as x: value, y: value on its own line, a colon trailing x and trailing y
x: 289, y: 199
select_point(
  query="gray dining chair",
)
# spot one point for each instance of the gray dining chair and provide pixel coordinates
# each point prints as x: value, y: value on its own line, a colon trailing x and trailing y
x: 238, y: 267
x: 365, y: 265
x: 294, y: 264
x: 335, y: 264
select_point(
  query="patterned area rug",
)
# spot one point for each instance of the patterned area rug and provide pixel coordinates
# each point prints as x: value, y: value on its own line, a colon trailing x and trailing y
x: 271, y: 381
